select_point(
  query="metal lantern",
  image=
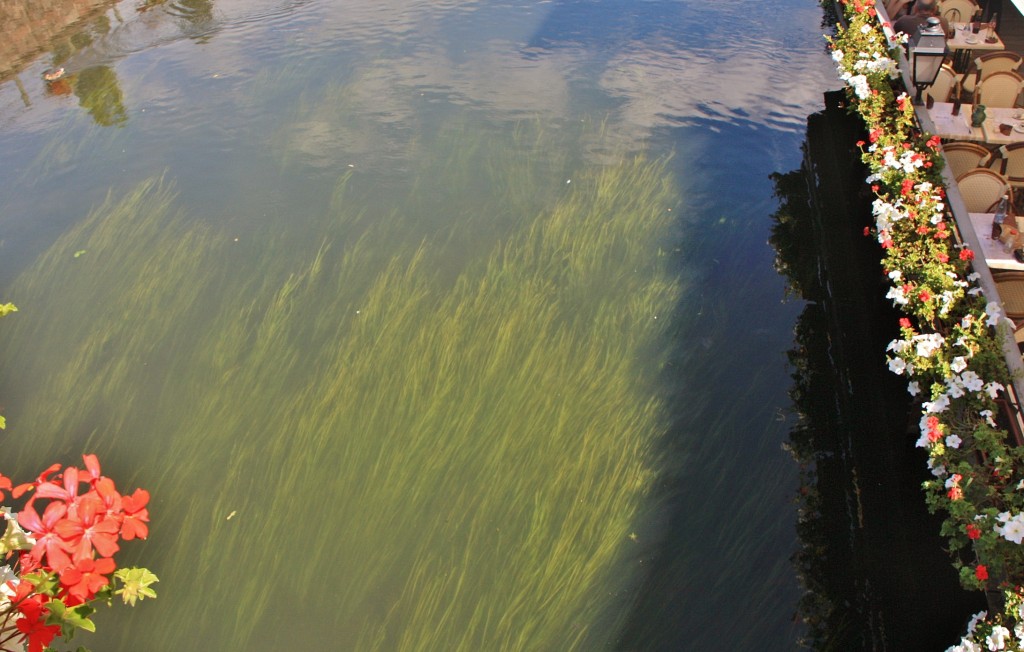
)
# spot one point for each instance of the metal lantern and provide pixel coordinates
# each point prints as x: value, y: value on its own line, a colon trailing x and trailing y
x: 927, y: 52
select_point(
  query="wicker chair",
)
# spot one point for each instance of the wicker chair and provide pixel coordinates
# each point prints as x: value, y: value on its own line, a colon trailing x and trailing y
x: 1000, y: 89
x: 958, y: 11
x: 962, y: 157
x: 986, y: 64
x: 1010, y: 286
x: 1010, y: 164
x: 944, y: 85
x: 981, y: 189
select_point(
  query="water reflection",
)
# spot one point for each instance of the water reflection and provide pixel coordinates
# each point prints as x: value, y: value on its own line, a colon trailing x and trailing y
x: 100, y: 95
x: 870, y: 558
x: 89, y: 38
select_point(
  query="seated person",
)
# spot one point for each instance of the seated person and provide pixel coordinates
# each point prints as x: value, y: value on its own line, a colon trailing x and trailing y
x: 919, y: 15
x: 897, y: 8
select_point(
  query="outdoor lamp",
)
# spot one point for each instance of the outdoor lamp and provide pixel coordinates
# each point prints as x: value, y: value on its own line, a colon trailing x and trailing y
x: 927, y: 52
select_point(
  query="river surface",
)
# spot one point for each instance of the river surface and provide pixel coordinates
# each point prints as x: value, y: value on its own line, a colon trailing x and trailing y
x: 442, y: 325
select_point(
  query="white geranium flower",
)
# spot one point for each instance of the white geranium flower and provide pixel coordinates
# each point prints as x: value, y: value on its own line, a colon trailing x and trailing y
x: 993, y: 389
x: 948, y: 299
x: 1012, y: 528
x: 898, y: 296
x: 859, y: 84
x: 989, y: 417
x: 971, y: 381
x: 837, y: 55
x: 938, y: 405
x: 928, y: 344
x: 896, y: 275
x: 7, y: 575
x: 913, y: 388
x: 997, y: 639
x: 958, y: 364
x: 954, y: 388
x: 898, y: 346
x: 897, y: 366
x: 975, y: 619
x: 886, y: 214
x: 954, y: 441
x: 994, y: 312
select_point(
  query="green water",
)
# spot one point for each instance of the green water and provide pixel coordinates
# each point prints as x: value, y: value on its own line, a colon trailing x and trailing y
x: 416, y: 456
x: 462, y: 311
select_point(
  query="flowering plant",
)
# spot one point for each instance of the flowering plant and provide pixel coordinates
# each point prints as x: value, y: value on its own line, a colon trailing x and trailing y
x: 948, y: 347
x: 60, y: 552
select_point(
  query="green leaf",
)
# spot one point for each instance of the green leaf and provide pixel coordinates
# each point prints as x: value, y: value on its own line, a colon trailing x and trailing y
x: 68, y: 619
x: 7, y: 308
x: 79, y: 253
x: 136, y: 584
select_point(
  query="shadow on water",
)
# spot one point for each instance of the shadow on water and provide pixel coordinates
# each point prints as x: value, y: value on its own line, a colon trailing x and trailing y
x: 870, y: 558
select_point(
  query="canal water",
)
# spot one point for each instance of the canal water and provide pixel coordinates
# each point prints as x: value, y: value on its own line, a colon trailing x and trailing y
x: 428, y: 325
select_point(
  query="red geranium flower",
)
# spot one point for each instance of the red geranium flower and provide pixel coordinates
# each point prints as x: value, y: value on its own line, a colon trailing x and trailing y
x: 89, y: 528
x: 5, y: 483
x: 973, y: 532
x: 33, y: 614
x: 981, y: 572
x: 43, y: 477
x: 86, y: 577
x: 48, y: 542
x: 135, y: 515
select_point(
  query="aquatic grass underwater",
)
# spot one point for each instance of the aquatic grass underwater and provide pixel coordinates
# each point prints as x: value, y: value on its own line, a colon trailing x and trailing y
x: 369, y: 433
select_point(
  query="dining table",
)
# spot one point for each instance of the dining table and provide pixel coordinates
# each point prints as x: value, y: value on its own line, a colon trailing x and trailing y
x: 1002, y: 126
x: 996, y: 255
x: 965, y: 42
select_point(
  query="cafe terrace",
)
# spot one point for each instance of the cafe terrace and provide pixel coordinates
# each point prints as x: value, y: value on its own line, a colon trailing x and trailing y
x: 984, y: 158
x: 956, y: 274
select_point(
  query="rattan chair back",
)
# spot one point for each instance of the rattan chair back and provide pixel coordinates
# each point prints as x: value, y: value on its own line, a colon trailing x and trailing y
x: 981, y: 189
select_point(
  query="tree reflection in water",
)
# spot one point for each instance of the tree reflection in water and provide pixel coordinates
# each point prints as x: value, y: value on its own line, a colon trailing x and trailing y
x: 100, y: 95
x: 870, y: 558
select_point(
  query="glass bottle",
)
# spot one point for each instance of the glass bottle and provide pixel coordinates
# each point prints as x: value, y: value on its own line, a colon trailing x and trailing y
x: 1000, y: 217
